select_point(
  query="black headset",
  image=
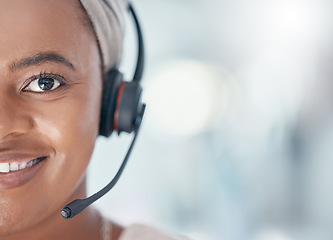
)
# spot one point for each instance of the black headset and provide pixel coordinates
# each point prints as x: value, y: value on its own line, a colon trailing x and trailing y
x: 121, y: 100
x: 122, y: 111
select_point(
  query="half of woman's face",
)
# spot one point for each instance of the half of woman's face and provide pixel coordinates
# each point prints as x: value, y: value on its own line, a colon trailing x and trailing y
x: 50, y: 90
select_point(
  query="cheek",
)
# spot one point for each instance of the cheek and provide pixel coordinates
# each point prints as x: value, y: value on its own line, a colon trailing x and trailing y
x: 75, y: 118
x: 70, y: 126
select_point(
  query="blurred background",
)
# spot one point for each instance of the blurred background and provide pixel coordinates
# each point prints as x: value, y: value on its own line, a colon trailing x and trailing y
x: 237, y: 141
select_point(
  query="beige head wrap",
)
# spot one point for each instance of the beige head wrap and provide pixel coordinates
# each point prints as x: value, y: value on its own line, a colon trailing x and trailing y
x: 107, y: 17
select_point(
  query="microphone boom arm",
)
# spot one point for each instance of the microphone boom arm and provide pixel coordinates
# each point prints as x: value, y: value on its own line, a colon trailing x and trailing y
x: 78, y: 205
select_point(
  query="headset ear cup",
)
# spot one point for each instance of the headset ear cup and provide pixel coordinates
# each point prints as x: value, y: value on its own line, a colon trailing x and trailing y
x: 128, y: 107
x: 109, y: 97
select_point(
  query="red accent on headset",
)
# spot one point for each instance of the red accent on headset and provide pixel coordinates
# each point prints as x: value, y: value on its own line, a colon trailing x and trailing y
x: 116, y: 112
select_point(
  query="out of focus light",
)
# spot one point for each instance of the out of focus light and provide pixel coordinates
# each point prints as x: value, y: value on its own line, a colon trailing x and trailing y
x: 271, y: 234
x: 186, y: 96
x: 294, y: 21
x: 294, y: 17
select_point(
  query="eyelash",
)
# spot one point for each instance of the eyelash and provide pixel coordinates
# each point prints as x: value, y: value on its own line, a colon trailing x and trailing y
x: 46, y: 75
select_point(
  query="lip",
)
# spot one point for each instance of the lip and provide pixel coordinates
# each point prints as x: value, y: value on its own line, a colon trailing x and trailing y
x: 18, y: 178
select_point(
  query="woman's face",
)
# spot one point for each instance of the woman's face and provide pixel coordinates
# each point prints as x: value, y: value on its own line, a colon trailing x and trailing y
x: 50, y: 91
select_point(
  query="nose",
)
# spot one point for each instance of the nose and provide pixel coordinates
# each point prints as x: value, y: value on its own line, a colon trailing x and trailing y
x: 13, y: 119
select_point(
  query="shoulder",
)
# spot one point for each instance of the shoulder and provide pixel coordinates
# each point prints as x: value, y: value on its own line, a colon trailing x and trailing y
x: 139, y: 232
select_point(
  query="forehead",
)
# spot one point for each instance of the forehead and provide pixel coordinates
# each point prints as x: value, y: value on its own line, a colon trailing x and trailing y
x: 31, y: 26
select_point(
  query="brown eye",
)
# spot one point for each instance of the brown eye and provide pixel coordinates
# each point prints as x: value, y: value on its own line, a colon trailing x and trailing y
x: 42, y: 84
x: 45, y: 84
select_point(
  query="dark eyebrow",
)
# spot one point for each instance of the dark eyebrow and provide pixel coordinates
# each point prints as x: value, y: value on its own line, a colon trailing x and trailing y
x: 40, y: 58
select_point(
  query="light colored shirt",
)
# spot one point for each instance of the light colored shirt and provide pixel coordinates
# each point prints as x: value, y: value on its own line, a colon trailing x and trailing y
x: 141, y: 232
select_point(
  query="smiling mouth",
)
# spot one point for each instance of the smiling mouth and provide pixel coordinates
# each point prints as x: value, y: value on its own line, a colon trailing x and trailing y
x: 14, y: 167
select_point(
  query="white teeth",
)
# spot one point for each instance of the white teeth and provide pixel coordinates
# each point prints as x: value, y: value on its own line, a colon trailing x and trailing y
x: 14, y: 167
x: 29, y: 164
x: 23, y: 165
x: 4, y: 167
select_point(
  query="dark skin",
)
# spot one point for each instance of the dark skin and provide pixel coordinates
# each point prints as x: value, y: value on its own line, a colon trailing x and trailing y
x: 48, y: 39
